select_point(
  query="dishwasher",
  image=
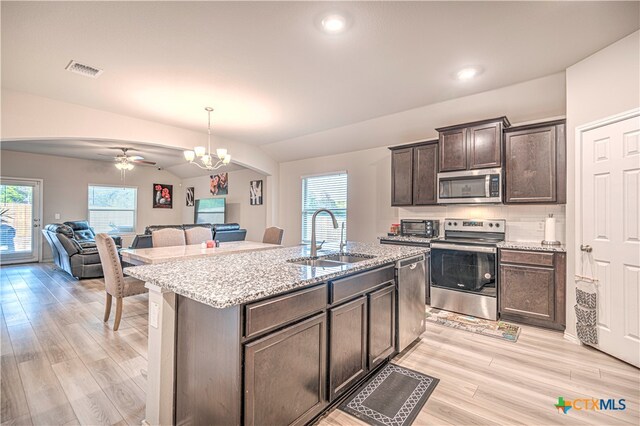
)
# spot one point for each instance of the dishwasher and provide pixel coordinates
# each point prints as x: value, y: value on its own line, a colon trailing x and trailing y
x: 410, y: 275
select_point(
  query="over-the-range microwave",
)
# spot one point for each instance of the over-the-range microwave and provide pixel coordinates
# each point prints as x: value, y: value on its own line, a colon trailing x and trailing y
x: 470, y: 187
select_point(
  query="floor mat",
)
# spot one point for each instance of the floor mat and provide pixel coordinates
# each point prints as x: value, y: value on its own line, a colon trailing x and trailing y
x: 394, y: 396
x: 498, y: 329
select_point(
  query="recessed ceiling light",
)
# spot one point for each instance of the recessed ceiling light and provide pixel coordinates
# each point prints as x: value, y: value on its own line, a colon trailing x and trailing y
x: 467, y: 73
x: 334, y: 24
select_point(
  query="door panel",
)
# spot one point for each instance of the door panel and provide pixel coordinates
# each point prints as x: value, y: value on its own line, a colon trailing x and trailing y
x: 485, y: 146
x: 527, y: 291
x: 609, y: 213
x: 425, y: 175
x: 402, y: 177
x: 20, y: 229
x: 453, y: 150
x: 382, y: 324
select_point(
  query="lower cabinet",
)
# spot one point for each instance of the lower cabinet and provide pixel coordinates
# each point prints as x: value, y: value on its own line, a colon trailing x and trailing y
x: 382, y: 324
x: 348, y: 345
x: 285, y: 375
x: 532, y: 288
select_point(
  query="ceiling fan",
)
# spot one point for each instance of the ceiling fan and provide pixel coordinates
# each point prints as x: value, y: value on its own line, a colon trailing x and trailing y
x: 126, y: 162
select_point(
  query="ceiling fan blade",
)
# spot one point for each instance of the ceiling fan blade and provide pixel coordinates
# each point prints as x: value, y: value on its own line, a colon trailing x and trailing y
x: 149, y: 163
x: 135, y: 157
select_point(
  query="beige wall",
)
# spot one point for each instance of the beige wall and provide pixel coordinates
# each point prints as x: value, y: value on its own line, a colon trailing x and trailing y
x: 368, y: 203
x: 65, y: 183
x: 604, y: 84
x: 252, y: 218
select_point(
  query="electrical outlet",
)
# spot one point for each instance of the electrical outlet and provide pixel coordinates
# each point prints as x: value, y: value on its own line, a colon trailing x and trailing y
x: 154, y: 314
x: 541, y: 226
x: 56, y: 216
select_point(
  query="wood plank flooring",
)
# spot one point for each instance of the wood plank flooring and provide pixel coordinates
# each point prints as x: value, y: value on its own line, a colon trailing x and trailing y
x: 60, y: 364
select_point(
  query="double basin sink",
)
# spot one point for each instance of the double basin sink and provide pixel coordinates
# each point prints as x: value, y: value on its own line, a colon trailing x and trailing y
x: 331, y: 260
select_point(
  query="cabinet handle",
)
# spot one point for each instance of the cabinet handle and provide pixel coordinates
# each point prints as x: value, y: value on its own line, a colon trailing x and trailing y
x: 586, y: 248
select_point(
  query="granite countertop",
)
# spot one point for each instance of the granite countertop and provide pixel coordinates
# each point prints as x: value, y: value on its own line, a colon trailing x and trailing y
x: 534, y: 246
x: 407, y: 239
x: 233, y: 279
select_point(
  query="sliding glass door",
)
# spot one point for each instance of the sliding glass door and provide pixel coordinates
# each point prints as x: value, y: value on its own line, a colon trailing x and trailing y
x: 20, y: 228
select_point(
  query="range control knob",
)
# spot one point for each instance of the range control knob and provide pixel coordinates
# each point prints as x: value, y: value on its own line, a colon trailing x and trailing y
x: 449, y: 223
x: 490, y: 225
x: 497, y: 225
x: 455, y: 223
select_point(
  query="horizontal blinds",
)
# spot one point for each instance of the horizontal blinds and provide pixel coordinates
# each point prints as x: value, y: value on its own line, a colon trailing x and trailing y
x: 16, y: 229
x: 328, y: 192
x: 112, y: 209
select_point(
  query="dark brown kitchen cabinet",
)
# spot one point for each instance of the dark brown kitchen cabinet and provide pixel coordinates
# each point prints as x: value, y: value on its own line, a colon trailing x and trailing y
x: 414, y: 170
x: 348, y: 345
x: 382, y: 324
x: 402, y: 177
x: 425, y: 173
x: 536, y: 164
x: 532, y: 287
x: 285, y: 375
x: 476, y: 145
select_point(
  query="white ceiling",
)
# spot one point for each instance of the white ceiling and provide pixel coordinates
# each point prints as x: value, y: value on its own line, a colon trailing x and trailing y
x: 171, y: 160
x: 272, y: 75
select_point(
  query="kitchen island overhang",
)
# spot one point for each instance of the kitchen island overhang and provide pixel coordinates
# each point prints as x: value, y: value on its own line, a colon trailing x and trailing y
x: 219, y: 327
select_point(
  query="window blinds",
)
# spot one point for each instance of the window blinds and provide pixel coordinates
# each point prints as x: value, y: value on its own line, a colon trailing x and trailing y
x: 112, y: 209
x: 328, y: 192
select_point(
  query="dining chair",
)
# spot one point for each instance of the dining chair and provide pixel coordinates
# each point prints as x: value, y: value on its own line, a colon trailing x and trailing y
x: 198, y: 234
x: 115, y: 283
x: 273, y: 235
x: 168, y: 237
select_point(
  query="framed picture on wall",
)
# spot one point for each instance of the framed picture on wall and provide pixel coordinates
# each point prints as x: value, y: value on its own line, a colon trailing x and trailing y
x: 255, y: 193
x: 162, y: 196
x: 219, y: 184
x: 190, y: 196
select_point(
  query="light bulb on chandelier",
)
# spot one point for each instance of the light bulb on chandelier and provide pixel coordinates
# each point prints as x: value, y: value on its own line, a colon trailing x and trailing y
x: 202, y: 157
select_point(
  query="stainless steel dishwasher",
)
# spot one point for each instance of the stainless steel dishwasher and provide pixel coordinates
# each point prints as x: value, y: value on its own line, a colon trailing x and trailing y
x: 411, y: 305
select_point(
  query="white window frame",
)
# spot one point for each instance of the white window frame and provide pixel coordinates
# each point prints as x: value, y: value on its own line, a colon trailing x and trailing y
x: 302, y: 212
x: 135, y: 211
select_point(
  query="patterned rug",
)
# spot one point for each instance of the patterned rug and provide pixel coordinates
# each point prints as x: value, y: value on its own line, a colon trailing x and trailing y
x: 498, y: 329
x: 393, y: 397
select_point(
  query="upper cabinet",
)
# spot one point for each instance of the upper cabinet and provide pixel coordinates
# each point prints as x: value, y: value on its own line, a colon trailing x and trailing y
x: 414, y: 171
x: 536, y: 169
x: 476, y: 145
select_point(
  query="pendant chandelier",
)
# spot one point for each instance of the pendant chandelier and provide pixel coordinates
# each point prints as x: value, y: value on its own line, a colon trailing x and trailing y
x: 201, y: 156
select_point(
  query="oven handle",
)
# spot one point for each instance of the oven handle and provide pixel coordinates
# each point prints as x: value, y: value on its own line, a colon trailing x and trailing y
x: 461, y: 247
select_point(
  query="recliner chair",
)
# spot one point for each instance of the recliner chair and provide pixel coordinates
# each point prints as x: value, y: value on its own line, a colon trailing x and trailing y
x: 74, y: 248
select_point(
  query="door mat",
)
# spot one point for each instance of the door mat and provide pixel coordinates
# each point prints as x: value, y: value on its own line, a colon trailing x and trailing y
x: 498, y: 329
x: 394, y: 396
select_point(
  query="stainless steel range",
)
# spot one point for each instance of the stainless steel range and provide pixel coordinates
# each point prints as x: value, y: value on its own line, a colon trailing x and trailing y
x: 464, y: 267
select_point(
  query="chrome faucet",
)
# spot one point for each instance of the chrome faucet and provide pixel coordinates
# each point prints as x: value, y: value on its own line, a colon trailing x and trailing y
x: 343, y: 242
x: 314, y: 247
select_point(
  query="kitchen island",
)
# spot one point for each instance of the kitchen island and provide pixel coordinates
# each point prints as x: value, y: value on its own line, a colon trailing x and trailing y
x: 252, y: 338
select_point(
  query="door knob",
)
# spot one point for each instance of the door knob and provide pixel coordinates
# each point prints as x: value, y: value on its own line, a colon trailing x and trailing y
x: 586, y: 248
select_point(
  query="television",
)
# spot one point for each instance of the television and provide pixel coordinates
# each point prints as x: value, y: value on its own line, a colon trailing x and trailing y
x: 209, y: 210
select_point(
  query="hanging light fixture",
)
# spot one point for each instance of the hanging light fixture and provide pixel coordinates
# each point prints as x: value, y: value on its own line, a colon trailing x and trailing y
x: 201, y: 156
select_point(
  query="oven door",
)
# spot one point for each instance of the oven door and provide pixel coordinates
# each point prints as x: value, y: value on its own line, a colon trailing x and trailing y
x: 467, y: 268
x: 413, y: 228
x: 470, y: 187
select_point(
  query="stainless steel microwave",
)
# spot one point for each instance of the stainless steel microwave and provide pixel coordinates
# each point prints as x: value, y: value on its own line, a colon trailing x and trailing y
x: 470, y: 187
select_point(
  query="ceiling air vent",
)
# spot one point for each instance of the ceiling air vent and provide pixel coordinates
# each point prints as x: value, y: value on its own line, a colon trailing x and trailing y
x: 82, y: 69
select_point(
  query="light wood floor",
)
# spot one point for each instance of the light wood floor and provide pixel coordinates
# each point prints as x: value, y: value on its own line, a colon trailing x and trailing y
x: 62, y: 365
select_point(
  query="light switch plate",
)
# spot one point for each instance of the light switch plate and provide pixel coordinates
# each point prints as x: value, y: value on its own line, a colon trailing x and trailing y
x: 56, y: 216
x: 154, y: 313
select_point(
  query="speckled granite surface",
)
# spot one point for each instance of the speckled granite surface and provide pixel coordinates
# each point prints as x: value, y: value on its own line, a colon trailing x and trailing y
x: 401, y: 238
x: 234, y: 279
x: 520, y: 245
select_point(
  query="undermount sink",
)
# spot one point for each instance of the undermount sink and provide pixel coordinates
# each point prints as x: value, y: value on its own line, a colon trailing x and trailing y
x: 348, y: 257
x: 322, y: 263
x: 332, y: 260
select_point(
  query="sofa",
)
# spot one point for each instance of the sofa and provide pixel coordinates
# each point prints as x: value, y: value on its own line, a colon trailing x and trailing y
x: 222, y: 232
x: 74, y: 248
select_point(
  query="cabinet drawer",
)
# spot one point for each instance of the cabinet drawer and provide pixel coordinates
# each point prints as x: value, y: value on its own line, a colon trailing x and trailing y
x: 271, y: 313
x: 526, y: 257
x: 358, y: 284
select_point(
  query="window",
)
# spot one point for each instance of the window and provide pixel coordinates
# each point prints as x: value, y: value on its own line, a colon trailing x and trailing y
x: 112, y: 209
x: 329, y: 192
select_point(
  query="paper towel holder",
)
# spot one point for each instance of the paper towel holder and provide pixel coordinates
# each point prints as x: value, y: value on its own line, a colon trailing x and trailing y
x: 551, y: 243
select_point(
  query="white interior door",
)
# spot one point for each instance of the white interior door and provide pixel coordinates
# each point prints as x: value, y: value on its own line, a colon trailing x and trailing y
x: 610, y: 207
x: 20, y: 201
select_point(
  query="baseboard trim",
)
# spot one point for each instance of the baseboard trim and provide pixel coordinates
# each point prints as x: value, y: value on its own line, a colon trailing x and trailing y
x: 573, y: 339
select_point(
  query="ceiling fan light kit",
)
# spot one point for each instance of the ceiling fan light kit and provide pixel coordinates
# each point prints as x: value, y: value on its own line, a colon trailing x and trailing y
x: 206, y: 160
